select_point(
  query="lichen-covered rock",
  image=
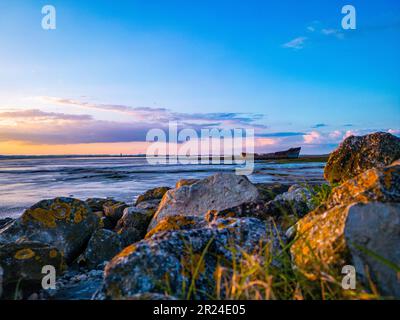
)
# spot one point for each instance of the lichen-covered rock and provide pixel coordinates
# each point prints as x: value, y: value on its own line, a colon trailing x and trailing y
x: 132, y: 227
x: 320, y: 244
x: 65, y: 223
x: 174, y: 223
x: 381, y: 185
x: 25, y: 261
x: 169, y: 261
x: 114, y: 210
x: 358, y: 154
x: 351, y: 234
x: 102, y: 246
x: 152, y: 194
x: 217, y: 192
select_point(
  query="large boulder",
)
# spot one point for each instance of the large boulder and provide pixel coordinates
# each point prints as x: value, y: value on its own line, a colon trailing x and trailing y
x: 358, y: 154
x: 64, y: 223
x: 364, y: 235
x: 102, y: 246
x: 184, y: 262
x: 217, y: 192
x: 22, y: 264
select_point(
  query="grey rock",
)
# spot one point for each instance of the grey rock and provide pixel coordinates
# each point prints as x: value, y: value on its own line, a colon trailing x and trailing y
x: 217, y: 192
x: 372, y: 233
x: 168, y: 258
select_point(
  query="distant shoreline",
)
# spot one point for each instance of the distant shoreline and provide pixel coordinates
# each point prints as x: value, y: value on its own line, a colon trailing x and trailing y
x: 302, y: 158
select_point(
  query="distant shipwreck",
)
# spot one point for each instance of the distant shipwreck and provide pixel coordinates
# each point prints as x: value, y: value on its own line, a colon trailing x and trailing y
x: 292, y: 153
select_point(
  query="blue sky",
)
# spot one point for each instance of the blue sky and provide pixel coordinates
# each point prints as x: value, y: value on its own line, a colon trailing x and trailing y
x: 289, y: 61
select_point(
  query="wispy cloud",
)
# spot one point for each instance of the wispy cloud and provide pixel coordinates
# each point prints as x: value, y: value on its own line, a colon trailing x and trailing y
x: 40, y: 115
x: 164, y: 115
x: 314, y: 30
x: 333, y: 32
x: 296, y: 44
x: 40, y: 127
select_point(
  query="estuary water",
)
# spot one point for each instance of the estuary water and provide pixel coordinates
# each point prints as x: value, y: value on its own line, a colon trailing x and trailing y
x: 26, y: 181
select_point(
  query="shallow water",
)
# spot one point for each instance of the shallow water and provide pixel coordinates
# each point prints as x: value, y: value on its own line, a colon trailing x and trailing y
x: 23, y: 182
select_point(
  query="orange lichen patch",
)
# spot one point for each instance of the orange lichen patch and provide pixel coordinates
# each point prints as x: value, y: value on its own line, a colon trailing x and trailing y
x: 58, y: 211
x: 79, y: 215
x: 53, y: 253
x: 212, y: 215
x: 354, y: 189
x: 321, y: 244
x: 45, y: 217
x: 24, y: 254
x: 185, y: 182
x: 226, y: 224
x: 169, y: 224
x: 126, y: 252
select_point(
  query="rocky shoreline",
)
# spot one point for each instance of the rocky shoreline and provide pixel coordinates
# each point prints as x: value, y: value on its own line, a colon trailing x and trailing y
x: 221, y: 237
